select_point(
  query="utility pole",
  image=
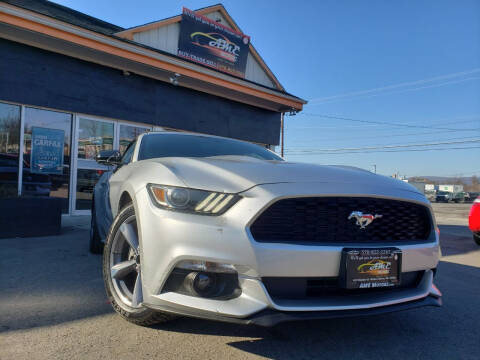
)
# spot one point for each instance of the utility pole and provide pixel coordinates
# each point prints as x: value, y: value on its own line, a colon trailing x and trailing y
x: 282, y: 126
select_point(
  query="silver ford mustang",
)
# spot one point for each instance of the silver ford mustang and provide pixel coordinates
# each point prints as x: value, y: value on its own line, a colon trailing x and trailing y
x: 222, y: 229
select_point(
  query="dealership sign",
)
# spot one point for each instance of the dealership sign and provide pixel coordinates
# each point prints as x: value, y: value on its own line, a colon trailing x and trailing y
x: 47, y: 151
x: 212, y: 44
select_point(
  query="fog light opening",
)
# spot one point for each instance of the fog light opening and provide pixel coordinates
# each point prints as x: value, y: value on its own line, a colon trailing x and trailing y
x: 216, y: 284
x: 204, y: 284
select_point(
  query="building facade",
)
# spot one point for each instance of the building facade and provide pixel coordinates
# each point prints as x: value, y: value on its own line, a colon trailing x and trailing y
x: 72, y: 85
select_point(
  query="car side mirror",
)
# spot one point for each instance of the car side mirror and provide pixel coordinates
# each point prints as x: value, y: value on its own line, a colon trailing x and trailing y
x: 109, y: 157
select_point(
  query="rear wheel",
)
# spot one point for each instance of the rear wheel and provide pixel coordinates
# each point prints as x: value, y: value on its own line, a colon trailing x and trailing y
x: 122, y: 271
x: 96, y: 244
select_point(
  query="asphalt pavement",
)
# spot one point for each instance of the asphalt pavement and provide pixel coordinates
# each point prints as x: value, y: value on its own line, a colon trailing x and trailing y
x: 53, y: 306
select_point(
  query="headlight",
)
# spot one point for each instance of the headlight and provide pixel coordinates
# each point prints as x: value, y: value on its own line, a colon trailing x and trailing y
x: 191, y: 200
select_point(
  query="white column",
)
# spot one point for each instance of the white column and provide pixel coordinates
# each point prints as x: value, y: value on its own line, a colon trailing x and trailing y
x: 20, y: 149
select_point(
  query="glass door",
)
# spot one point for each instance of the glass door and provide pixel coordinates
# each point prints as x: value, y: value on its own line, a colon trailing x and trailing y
x: 93, y: 135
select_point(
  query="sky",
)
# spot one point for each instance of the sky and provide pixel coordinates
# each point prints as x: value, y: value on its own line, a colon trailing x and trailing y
x: 385, y: 80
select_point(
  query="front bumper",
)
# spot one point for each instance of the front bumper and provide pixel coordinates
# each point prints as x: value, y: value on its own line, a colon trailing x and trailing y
x: 169, y: 237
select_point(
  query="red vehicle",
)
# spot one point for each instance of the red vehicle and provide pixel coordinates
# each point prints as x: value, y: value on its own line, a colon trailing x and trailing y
x: 474, y: 220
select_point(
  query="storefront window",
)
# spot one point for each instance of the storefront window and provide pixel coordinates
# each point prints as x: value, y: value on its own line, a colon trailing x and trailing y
x: 129, y: 133
x: 9, y: 149
x: 94, y: 136
x: 46, y: 166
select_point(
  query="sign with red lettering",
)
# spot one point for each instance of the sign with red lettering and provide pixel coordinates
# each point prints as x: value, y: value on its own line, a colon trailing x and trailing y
x: 212, y: 44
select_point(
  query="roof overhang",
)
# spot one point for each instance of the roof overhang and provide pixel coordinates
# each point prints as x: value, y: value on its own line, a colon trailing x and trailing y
x: 44, y: 32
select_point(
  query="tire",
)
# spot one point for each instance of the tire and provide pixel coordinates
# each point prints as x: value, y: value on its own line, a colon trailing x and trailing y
x: 123, y: 285
x: 96, y: 244
x: 476, y: 238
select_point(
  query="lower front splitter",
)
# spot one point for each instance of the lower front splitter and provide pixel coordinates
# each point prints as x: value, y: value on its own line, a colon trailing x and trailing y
x: 268, y: 317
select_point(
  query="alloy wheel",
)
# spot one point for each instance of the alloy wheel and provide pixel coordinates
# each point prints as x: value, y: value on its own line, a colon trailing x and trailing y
x: 125, y: 264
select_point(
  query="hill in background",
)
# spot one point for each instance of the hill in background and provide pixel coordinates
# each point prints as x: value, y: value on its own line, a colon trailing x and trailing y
x: 470, y: 183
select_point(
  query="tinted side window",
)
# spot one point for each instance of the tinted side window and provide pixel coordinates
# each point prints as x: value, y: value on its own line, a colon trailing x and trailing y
x: 127, y: 156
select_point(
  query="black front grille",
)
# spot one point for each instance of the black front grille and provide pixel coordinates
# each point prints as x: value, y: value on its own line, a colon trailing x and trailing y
x: 290, y: 288
x: 325, y: 220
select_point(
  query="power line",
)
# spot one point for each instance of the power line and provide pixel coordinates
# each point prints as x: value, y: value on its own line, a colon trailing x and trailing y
x: 393, y: 146
x: 387, y: 151
x: 317, y: 140
x: 382, y: 122
x: 395, y: 86
x: 369, y: 128
x: 374, y: 127
x: 458, y: 120
x: 297, y: 148
x: 376, y: 137
x: 400, y: 91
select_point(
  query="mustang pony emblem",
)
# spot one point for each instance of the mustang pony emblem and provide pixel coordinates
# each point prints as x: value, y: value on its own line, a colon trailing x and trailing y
x: 363, y: 220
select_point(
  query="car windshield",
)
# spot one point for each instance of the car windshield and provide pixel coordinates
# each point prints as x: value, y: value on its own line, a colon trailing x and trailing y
x: 442, y: 193
x: 184, y: 145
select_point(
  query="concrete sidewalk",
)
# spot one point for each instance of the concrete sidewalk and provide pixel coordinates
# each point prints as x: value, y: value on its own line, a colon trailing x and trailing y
x: 75, y: 222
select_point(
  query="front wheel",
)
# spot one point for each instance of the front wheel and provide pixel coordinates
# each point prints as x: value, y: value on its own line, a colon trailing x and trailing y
x: 122, y: 271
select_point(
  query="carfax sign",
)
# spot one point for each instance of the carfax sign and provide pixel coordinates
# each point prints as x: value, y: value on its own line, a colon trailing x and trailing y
x: 47, y: 151
x: 210, y: 43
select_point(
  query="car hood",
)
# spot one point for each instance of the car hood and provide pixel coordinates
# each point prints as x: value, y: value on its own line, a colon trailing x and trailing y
x: 235, y: 174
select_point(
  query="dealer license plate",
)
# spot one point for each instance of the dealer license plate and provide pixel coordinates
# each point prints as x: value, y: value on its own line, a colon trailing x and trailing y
x: 370, y: 268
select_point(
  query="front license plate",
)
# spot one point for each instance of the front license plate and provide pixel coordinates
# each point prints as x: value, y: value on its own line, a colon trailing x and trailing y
x: 370, y: 268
